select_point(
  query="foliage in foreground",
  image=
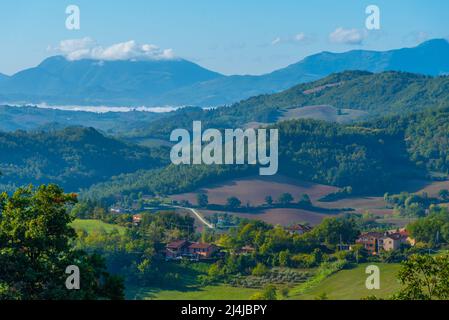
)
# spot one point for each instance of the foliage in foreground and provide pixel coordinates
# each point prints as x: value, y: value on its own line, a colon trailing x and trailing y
x: 36, y: 248
x: 425, y: 277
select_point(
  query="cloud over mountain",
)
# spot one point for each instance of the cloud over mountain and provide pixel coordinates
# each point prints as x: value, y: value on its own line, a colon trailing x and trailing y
x: 177, y: 82
x: 87, y: 48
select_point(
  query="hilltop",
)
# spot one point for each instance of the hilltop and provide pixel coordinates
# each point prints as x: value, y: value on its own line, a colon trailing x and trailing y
x: 74, y: 157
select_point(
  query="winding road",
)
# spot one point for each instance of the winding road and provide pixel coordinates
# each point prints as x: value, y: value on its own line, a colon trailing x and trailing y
x: 198, y: 215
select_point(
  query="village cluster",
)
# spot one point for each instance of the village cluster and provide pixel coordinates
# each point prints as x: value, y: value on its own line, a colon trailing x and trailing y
x: 373, y: 242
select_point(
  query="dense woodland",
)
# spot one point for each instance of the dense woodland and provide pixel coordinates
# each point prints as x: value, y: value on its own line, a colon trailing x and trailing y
x: 370, y: 157
x: 73, y: 157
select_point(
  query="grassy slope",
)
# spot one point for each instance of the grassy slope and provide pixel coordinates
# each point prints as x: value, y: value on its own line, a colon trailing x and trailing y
x: 218, y: 292
x: 350, y: 284
x: 95, y: 225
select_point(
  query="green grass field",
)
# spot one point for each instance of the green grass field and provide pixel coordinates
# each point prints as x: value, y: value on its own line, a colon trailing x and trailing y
x: 218, y: 292
x: 95, y: 225
x: 350, y: 284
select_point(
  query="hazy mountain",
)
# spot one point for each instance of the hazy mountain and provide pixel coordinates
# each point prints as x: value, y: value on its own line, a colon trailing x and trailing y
x: 179, y: 82
x: 60, y: 81
x: 429, y: 58
x: 33, y: 118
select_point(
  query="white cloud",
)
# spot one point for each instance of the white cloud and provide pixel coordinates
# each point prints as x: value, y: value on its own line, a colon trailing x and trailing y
x: 347, y: 36
x: 300, y: 37
x: 87, y: 48
x: 297, y: 38
x: 276, y: 41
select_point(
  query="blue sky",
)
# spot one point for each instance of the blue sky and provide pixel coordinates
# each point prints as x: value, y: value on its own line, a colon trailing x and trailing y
x: 228, y: 36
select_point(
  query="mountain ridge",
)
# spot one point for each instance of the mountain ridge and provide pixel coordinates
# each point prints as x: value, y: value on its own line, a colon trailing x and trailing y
x: 181, y: 82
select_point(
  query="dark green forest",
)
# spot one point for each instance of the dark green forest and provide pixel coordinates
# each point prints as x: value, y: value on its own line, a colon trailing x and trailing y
x: 371, y: 157
x: 74, y: 158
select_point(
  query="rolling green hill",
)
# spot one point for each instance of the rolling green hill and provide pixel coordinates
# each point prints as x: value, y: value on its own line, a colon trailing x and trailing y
x: 216, y: 292
x: 73, y: 158
x: 379, y: 94
x: 367, y: 95
x: 350, y: 284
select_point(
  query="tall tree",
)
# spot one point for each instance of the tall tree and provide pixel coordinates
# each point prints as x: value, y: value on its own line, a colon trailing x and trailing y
x: 202, y: 200
x: 285, y: 198
x: 233, y: 203
x: 36, y: 249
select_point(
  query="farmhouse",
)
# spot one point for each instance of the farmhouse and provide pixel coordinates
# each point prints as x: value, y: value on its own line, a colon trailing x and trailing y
x: 370, y: 241
x: 405, y: 234
x: 246, y: 250
x: 202, y: 250
x: 176, y: 249
x: 137, y: 219
x: 183, y: 249
x: 374, y: 242
x: 298, y: 229
x: 393, y: 241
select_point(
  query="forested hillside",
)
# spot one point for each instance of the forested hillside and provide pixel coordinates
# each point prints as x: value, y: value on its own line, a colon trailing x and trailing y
x: 426, y: 135
x: 366, y: 158
x: 35, y: 118
x: 74, y: 158
x: 388, y: 93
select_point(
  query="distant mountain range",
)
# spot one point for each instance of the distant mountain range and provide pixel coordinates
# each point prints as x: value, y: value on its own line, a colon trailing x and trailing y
x: 180, y: 82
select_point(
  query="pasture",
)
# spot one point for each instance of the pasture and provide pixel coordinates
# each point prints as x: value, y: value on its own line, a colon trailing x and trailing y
x: 350, y: 284
x: 95, y: 225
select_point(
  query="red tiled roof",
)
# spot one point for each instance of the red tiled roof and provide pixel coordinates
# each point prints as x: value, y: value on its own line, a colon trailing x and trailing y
x: 177, y: 244
x: 371, y: 235
x: 200, y: 246
x: 396, y: 236
x: 299, y: 227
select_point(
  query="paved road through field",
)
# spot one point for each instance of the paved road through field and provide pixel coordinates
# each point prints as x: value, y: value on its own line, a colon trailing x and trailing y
x: 198, y: 215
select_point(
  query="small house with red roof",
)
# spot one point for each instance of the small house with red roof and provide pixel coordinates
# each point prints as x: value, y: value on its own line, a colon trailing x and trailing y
x: 183, y: 249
